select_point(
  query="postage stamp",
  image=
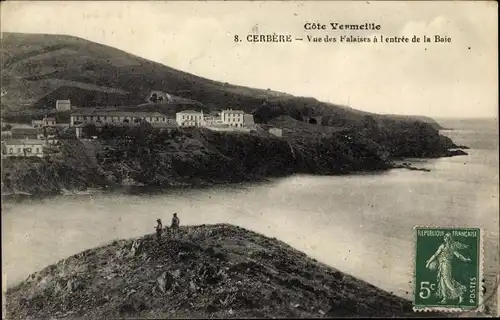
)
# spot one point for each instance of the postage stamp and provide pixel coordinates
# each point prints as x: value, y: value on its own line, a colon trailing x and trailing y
x: 447, y: 269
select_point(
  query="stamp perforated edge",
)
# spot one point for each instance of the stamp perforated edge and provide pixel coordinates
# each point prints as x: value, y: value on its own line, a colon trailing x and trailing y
x: 480, y: 306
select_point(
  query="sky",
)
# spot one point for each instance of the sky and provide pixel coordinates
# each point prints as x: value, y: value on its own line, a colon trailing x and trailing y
x: 457, y: 79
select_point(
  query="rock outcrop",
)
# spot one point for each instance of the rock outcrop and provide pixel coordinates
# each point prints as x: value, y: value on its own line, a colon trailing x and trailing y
x: 219, y: 271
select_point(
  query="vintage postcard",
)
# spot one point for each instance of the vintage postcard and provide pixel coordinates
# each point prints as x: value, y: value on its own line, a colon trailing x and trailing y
x: 249, y: 159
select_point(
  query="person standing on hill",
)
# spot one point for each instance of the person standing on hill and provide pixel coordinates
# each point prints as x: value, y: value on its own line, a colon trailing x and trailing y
x: 175, y: 225
x: 159, y: 229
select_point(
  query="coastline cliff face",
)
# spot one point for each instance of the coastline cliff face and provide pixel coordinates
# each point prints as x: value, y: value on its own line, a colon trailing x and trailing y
x: 144, y: 156
x: 216, y: 271
x: 342, y: 141
x: 184, y: 157
x: 72, y: 169
x: 411, y: 139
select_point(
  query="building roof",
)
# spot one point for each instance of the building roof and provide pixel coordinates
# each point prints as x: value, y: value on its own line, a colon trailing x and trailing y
x: 232, y: 111
x: 115, y: 113
x: 190, y: 111
x: 24, y: 142
x: 65, y: 101
x: 18, y: 129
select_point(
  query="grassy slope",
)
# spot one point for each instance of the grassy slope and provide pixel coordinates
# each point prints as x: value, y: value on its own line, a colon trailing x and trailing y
x: 218, y: 271
x: 49, y: 66
x: 39, y: 69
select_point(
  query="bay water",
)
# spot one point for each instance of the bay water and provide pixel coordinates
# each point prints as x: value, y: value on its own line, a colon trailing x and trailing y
x: 360, y: 224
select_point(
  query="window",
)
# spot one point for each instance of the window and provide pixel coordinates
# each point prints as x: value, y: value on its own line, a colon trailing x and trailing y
x: 98, y: 117
x: 105, y: 118
x: 11, y: 150
x: 37, y: 150
x: 18, y: 150
x: 91, y: 117
x: 164, y: 119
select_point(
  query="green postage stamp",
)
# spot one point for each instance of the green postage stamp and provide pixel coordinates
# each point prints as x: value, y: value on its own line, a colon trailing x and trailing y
x: 447, y: 269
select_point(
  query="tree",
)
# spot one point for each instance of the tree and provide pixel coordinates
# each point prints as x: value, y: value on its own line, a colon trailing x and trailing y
x: 89, y: 130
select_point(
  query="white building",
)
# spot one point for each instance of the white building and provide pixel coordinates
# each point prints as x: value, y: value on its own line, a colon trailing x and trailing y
x: 6, y: 135
x: 63, y: 105
x: 45, y: 122
x: 118, y: 118
x: 234, y: 118
x: 23, y: 148
x: 49, y: 139
x: 276, y: 131
x: 189, y: 118
x: 228, y: 119
x: 248, y: 120
x: 211, y: 120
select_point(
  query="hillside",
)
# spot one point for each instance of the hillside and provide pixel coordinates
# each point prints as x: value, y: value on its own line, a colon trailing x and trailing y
x: 38, y: 69
x: 319, y: 138
x: 215, y: 271
x: 184, y: 157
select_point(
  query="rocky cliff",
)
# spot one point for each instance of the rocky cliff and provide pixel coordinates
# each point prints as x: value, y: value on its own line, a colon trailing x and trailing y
x: 216, y: 271
x: 185, y: 157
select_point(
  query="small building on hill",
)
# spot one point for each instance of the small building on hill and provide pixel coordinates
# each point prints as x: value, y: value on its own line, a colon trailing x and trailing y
x: 23, y: 148
x: 276, y: 132
x: 226, y: 120
x: 248, y: 120
x: 6, y: 134
x: 63, y: 105
x: 189, y: 118
x: 21, y: 131
x: 45, y: 122
x: 234, y: 118
x: 118, y: 118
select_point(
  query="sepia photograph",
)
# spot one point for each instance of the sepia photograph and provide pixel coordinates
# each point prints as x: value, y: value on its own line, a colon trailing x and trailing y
x: 249, y: 159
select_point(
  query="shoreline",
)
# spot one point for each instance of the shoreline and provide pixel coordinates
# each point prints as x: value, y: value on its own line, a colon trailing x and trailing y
x: 137, y: 189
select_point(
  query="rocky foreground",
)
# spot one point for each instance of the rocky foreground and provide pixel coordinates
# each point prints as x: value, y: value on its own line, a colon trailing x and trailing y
x: 217, y: 271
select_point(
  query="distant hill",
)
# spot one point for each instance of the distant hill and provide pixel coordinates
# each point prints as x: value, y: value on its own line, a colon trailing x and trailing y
x: 211, y: 271
x: 38, y: 69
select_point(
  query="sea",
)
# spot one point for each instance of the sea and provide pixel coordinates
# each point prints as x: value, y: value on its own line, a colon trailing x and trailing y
x: 360, y: 224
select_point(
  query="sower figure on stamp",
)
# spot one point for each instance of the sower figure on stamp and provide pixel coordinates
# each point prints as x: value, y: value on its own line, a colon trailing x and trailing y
x: 447, y: 287
x: 174, y: 227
